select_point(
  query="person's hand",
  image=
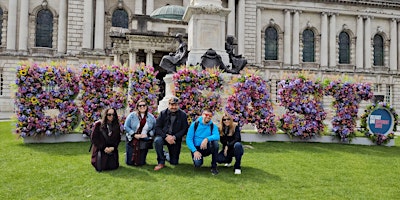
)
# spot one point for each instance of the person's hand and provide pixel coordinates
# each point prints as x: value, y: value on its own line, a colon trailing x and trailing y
x: 226, y: 151
x: 137, y: 136
x: 109, y: 149
x: 170, y: 139
x: 196, y: 155
x: 204, y: 144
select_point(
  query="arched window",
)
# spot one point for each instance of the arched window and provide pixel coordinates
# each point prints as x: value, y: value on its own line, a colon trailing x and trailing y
x: 344, y: 48
x: 120, y: 18
x: 378, y: 50
x: 1, y: 25
x: 271, y: 44
x: 308, y: 46
x: 44, y: 29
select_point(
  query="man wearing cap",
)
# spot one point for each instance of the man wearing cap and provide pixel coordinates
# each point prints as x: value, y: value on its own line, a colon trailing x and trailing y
x: 171, y: 126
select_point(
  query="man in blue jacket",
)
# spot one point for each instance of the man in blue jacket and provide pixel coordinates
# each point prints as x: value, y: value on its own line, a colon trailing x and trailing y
x: 202, y: 140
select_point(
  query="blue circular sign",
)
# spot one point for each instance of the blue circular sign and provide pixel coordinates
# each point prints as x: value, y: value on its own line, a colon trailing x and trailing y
x: 380, y: 121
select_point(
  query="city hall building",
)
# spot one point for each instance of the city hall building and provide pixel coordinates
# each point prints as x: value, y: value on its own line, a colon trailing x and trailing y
x: 324, y: 38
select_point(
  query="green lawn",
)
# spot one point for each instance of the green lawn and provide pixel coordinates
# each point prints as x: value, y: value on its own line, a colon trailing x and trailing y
x: 272, y: 170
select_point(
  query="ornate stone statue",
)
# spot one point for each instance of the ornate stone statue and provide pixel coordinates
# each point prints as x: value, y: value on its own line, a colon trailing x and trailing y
x: 211, y: 59
x: 238, y: 62
x: 169, y: 62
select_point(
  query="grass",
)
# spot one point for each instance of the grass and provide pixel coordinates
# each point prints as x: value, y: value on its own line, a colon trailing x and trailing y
x: 272, y: 170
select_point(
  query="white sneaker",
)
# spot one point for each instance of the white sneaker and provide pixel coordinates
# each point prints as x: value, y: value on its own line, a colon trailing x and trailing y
x: 238, y: 171
x: 227, y: 164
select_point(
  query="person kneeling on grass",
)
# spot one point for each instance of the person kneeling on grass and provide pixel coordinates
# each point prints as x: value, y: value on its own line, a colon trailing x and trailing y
x: 231, y: 146
x: 202, y: 140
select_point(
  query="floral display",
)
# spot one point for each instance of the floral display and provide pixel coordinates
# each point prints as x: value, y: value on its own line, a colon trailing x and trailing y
x: 144, y: 85
x: 303, y: 101
x: 378, y: 138
x: 198, y: 89
x: 347, y: 97
x: 250, y: 103
x: 42, y: 88
x: 103, y: 86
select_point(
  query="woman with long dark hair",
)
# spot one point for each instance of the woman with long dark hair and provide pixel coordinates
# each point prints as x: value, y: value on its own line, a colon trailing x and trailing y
x: 231, y: 143
x: 106, y: 137
x: 139, y: 127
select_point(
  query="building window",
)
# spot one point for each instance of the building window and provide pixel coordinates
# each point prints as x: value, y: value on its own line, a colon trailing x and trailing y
x: 308, y: 46
x: 271, y: 44
x: 1, y: 84
x: 1, y: 25
x: 276, y: 91
x: 388, y: 96
x: 344, y: 48
x: 377, y: 88
x: 378, y: 50
x: 120, y: 18
x: 44, y: 29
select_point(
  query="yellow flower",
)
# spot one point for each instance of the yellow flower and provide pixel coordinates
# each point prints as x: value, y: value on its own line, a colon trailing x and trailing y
x: 88, y: 114
x: 34, y: 100
x: 23, y: 72
x: 85, y: 71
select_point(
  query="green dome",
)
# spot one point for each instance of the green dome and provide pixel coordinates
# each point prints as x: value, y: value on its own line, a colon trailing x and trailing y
x: 169, y: 12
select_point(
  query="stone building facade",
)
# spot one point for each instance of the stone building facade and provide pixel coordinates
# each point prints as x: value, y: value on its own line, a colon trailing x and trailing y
x: 340, y: 38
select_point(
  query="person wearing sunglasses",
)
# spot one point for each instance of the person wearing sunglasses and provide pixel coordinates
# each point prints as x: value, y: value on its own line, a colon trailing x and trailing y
x: 202, y: 140
x: 139, y: 127
x: 105, y: 138
x: 171, y: 126
x: 231, y: 143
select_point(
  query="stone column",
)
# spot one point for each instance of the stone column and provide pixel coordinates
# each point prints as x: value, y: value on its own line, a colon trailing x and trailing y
x: 138, y: 7
x: 296, y: 38
x: 393, y: 45
x: 23, y: 26
x: 286, y: 39
x: 62, y: 27
x: 398, y: 44
x: 324, y: 40
x: 87, y: 37
x: 149, y: 56
x: 12, y: 25
x: 117, y: 56
x: 231, y: 18
x: 149, y: 6
x: 332, y: 41
x: 132, y: 56
x: 367, y: 43
x: 360, y: 43
x: 99, y: 36
x: 258, y: 37
x: 240, y: 28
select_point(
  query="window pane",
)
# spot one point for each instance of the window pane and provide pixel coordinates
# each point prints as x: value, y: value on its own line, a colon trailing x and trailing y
x: 378, y: 50
x: 271, y: 44
x: 120, y: 18
x: 44, y: 29
x: 344, y: 48
x: 308, y: 46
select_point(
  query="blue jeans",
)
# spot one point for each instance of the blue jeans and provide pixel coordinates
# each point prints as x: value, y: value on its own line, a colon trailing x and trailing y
x: 212, y: 148
x: 237, y: 152
x: 173, y: 149
x: 129, y: 151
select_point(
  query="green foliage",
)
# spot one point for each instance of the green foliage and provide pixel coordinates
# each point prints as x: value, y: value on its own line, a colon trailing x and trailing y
x: 272, y: 170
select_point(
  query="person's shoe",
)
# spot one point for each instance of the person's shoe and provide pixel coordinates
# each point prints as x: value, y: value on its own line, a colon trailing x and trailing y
x: 238, y: 171
x: 227, y: 164
x: 214, y: 171
x: 158, y: 167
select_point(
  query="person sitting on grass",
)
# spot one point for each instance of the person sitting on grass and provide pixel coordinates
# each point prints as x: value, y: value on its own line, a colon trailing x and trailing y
x: 231, y: 146
x: 202, y: 140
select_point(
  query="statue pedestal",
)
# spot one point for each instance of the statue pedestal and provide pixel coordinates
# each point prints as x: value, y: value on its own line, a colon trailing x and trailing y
x: 206, y: 29
x: 169, y: 85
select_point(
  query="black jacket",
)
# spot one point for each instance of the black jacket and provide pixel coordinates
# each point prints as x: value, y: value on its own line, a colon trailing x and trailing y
x: 179, y: 128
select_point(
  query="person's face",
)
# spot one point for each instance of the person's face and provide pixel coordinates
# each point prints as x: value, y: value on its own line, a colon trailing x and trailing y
x: 110, y: 115
x: 173, y: 107
x: 226, y: 120
x: 142, y: 107
x: 207, y: 117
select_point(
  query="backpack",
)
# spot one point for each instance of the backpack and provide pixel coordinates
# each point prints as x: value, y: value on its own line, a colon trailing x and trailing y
x: 196, y: 124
